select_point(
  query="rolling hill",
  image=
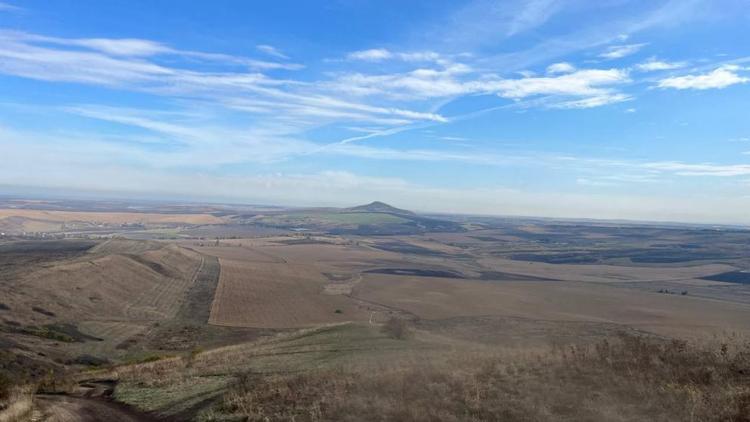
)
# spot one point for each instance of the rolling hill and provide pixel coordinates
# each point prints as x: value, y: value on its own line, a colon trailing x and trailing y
x: 382, y: 207
x: 375, y: 218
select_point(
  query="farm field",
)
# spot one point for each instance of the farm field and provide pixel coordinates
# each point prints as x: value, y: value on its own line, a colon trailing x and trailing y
x: 108, y: 217
x: 434, y: 298
x: 277, y: 295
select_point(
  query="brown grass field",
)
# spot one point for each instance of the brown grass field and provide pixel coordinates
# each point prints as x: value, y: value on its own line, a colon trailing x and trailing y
x: 670, y: 315
x: 603, y: 273
x: 273, y: 295
x: 108, y: 217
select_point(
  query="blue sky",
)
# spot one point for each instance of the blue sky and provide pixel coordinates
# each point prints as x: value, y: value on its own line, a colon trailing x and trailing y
x: 611, y: 109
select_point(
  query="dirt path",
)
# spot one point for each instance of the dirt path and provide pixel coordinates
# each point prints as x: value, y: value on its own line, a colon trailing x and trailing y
x: 60, y: 408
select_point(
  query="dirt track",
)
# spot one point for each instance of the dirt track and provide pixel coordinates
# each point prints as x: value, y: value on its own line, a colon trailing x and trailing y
x: 60, y: 408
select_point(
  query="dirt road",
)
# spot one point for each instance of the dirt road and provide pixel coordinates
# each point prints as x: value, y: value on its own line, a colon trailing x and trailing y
x: 60, y: 408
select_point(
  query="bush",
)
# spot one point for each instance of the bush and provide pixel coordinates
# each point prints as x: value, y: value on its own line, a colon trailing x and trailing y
x: 396, y: 328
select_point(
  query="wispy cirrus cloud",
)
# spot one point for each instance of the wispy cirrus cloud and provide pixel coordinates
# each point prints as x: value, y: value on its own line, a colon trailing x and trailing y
x: 718, y: 78
x: 703, y: 169
x: 590, y: 87
x: 654, y: 64
x: 134, y: 47
x: 620, y: 51
x: 134, y: 64
x: 271, y: 51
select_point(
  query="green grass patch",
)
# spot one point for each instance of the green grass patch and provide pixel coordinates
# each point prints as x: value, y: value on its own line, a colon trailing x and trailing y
x: 45, y: 332
x: 172, y: 398
x: 363, y: 218
x: 145, y: 357
x: 335, y: 218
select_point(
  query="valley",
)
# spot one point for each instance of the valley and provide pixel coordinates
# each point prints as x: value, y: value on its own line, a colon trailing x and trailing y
x: 179, y: 311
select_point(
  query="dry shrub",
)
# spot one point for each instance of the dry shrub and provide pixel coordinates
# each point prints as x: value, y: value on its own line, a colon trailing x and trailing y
x: 623, y: 379
x: 16, y: 403
x: 396, y: 328
x: 155, y: 373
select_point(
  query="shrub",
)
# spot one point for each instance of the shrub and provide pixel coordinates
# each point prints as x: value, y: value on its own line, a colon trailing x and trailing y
x: 396, y: 328
x: 626, y: 379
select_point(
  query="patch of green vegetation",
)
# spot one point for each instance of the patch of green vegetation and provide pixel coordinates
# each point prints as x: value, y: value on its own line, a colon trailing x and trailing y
x: 180, y: 387
x: 145, y: 357
x: 334, y: 218
x: 363, y: 218
x: 160, y: 233
x: 47, y: 332
x: 325, y: 347
x: 173, y: 398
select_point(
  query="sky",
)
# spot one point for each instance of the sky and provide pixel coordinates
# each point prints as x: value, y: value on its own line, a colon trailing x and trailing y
x: 613, y: 109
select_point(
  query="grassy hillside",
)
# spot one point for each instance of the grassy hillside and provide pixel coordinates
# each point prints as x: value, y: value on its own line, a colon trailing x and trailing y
x: 361, y: 373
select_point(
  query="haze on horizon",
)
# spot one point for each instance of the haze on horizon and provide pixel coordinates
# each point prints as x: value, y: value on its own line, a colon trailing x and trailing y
x: 623, y: 109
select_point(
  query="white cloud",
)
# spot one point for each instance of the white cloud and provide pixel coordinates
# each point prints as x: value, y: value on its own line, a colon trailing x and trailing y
x: 620, y: 51
x: 562, y: 67
x: 595, y: 101
x: 586, y: 82
x: 655, y: 65
x: 381, y: 54
x: 584, y: 181
x: 123, y: 47
x: 271, y: 51
x: 372, y: 55
x: 704, y: 169
x: 631, y: 110
x: 718, y: 78
x: 582, y: 88
x: 128, y: 64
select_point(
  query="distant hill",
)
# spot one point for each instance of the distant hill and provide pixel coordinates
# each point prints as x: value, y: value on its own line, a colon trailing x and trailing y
x: 375, y: 218
x: 378, y: 206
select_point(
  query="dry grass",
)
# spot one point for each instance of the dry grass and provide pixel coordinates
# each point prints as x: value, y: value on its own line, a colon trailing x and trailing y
x: 396, y: 328
x: 275, y: 295
x: 110, y: 217
x: 16, y: 404
x: 625, y: 379
x: 669, y: 315
x: 148, y: 286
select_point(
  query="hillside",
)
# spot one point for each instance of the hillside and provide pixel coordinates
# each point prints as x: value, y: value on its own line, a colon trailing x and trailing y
x: 378, y: 206
x: 375, y: 218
